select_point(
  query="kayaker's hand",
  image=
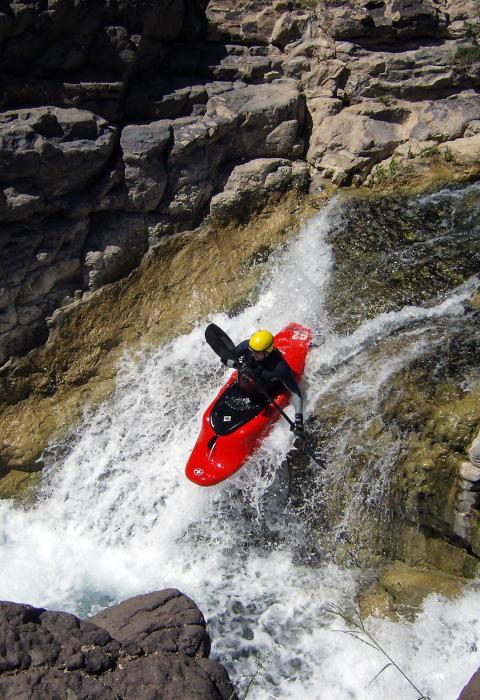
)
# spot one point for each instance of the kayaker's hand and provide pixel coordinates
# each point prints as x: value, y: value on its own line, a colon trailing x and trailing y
x: 297, y: 428
x: 249, y: 373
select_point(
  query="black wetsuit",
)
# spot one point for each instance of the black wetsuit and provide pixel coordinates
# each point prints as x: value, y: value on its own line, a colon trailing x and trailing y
x: 272, y: 372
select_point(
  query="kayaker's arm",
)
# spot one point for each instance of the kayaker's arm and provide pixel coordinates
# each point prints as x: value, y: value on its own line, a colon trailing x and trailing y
x: 242, y: 350
x: 284, y: 374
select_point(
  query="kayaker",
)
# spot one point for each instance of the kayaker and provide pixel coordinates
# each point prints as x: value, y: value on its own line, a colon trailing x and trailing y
x: 261, y: 363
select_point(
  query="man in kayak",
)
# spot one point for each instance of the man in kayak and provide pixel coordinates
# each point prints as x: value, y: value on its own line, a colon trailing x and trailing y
x: 260, y: 363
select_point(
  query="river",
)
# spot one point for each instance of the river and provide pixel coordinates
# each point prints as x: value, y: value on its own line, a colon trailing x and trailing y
x: 115, y: 515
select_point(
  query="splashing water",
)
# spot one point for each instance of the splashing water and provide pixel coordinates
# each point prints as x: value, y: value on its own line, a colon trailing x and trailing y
x: 116, y: 516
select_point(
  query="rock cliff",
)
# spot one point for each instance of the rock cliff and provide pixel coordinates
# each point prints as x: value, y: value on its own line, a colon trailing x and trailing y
x: 125, y: 121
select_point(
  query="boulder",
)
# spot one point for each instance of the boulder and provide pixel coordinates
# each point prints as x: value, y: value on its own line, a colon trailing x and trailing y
x: 250, y: 185
x: 164, y: 621
x: 261, y: 120
x: 58, y: 150
x: 160, y: 651
x: 388, y: 21
x: 143, y: 153
x: 472, y: 689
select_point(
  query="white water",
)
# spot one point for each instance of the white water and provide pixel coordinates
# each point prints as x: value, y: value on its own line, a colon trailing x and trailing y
x: 117, y: 517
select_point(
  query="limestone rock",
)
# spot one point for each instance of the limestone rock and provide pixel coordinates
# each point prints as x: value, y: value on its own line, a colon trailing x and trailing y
x: 348, y: 142
x: 115, y: 246
x: 474, y: 451
x: 59, y: 150
x: 236, y: 21
x: 143, y: 153
x: 401, y: 589
x: 249, y: 186
x: 40, y: 266
x: 388, y: 21
x: 469, y: 472
x: 263, y: 121
x: 353, y: 140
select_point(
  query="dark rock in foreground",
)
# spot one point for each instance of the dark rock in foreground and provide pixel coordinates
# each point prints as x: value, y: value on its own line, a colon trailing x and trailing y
x: 472, y: 689
x: 151, y: 646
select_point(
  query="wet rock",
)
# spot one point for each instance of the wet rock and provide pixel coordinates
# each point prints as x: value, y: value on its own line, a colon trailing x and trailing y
x: 401, y: 590
x: 472, y: 689
x: 50, y: 655
x: 164, y: 621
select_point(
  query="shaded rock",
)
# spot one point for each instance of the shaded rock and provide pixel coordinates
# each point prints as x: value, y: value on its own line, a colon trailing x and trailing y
x: 59, y: 655
x: 143, y: 153
x: 164, y: 621
x: 40, y: 265
x: 33, y: 637
x: 472, y: 689
x: 60, y: 150
x: 114, y: 247
x: 20, y: 203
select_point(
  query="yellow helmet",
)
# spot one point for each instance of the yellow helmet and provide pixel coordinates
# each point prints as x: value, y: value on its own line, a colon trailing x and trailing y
x: 261, y: 341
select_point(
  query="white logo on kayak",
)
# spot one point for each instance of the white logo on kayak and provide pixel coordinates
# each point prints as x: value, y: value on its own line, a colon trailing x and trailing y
x: 227, y: 419
x: 198, y: 472
x: 300, y: 335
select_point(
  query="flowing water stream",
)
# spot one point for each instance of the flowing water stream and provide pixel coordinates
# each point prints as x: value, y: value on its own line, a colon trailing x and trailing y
x: 116, y: 516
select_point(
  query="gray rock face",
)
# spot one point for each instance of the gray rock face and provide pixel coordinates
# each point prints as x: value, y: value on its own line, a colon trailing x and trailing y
x: 123, y: 119
x: 391, y: 20
x: 60, y: 150
x: 261, y: 120
x: 145, y: 176
x: 249, y: 185
x: 151, y: 646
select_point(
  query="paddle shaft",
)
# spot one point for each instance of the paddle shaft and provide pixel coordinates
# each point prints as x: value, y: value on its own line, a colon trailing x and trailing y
x: 224, y: 347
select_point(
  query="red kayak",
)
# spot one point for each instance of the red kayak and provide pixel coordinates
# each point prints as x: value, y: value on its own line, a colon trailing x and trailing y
x: 233, y: 425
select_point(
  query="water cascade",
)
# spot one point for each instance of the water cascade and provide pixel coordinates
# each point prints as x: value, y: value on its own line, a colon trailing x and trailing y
x: 265, y: 554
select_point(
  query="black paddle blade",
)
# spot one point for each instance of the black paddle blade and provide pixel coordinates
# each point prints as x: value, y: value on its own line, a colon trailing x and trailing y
x: 220, y: 343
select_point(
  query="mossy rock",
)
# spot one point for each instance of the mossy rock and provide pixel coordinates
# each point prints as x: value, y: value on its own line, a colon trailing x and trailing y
x: 392, y: 251
x: 401, y: 590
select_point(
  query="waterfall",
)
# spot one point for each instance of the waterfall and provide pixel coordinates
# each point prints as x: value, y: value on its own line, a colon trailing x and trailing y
x: 115, y: 515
